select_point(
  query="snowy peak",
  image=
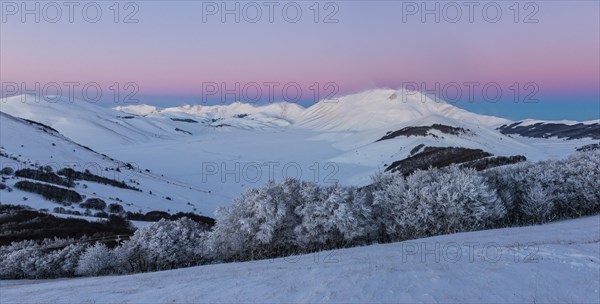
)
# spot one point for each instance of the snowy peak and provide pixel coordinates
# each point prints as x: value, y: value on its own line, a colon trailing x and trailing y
x: 138, y: 109
x: 377, y: 109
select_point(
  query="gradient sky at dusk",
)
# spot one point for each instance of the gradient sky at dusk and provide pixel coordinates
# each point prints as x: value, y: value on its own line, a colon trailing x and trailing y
x: 171, y: 52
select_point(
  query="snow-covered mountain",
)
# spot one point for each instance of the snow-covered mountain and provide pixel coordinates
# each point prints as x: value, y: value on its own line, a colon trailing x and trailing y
x: 215, y: 152
x: 381, y: 109
x: 142, y: 123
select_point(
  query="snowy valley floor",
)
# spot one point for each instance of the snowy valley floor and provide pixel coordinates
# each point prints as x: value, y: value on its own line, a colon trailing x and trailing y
x: 557, y: 262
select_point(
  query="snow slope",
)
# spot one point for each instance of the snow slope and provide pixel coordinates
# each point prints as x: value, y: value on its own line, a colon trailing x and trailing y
x: 87, y: 123
x: 27, y: 145
x: 557, y: 262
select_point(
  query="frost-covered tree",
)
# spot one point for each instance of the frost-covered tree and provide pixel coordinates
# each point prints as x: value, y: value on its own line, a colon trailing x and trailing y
x: 49, y: 259
x: 392, y: 214
x: 164, y: 245
x: 20, y: 260
x: 260, y: 223
x: 229, y: 236
x: 536, y: 205
x: 289, y: 217
x: 541, y: 191
x: 61, y: 262
x: 436, y: 201
x: 317, y: 226
x: 96, y: 260
x: 507, y: 186
x: 337, y: 216
x: 579, y: 191
x: 364, y: 228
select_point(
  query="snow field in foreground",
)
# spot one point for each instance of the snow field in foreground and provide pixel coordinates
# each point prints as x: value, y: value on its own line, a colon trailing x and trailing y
x: 557, y: 262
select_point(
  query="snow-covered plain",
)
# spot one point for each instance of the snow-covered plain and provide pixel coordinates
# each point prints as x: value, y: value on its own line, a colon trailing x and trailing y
x: 208, y: 155
x: 552, y: 263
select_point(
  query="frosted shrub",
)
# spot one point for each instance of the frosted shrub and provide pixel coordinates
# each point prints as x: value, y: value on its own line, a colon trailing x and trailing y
x: 164, y: 245
x: 20, y: 260
x: 259, y: 224
x: 542, y: 191
x: 580, y: 189
x: 96, y: 260
x: 335, y: 217
x: 537, y: 205
x: 437, y: 201
x: 29, y: 259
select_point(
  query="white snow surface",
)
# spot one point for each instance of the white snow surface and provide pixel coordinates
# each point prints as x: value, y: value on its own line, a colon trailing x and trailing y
x: 331, y: 141
x: 32, y: 145
x: 552, y: 263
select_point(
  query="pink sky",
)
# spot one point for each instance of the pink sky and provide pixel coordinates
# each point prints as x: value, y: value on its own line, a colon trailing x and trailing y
x: 172, y: 52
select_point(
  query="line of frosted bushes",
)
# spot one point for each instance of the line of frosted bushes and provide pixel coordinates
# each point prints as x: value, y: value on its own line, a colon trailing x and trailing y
x: 293, y: 217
